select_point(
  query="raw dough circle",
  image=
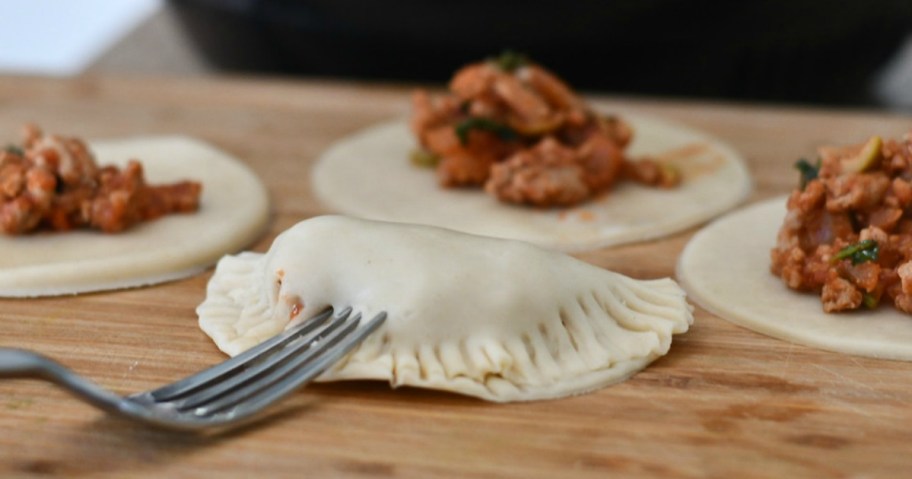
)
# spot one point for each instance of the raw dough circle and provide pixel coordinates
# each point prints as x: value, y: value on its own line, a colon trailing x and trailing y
x: 369, y: 175
x: 725, y: 269
x: 234, y: 209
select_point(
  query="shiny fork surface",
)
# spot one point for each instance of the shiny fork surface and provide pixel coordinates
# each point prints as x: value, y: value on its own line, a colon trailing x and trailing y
x: 227, y: 393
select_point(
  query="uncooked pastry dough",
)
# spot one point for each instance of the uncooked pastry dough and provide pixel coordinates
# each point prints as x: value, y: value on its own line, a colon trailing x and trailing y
x: 497, y: 319
x: 726, y: 269
x: 369, y: 175
x: 234, y: 208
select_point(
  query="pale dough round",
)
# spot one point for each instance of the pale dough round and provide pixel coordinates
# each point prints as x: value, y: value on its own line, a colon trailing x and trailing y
x: 726, y: 269
x: 234, y: 210
x: 369, y: 175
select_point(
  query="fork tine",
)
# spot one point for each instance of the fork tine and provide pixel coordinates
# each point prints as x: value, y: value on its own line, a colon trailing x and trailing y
x: 295, y: 373
x: 292, y: 382
x: 269, y: 363
x: 237, y: 363
x: 241, y: 393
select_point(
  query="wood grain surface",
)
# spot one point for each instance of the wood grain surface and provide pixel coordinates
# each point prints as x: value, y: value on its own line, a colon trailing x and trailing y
x: 725, y: 402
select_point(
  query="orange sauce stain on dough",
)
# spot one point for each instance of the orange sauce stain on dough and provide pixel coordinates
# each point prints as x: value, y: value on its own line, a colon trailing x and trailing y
x: 295, y: 306
x: 582, y: 215
x: 586, y: 215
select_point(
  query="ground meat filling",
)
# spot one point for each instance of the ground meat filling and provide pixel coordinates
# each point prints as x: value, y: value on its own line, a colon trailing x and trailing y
x: 847, y: 234
x: 517, y: 130
x: 52, y: 182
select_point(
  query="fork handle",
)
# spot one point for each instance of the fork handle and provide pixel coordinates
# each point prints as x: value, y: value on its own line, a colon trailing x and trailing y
x: 18, y: 363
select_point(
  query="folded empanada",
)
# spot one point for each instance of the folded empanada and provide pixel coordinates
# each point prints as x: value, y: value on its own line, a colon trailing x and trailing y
x: 498, y: 319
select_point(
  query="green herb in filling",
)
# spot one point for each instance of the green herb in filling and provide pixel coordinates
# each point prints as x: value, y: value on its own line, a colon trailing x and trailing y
x: 424, y: 158
x: 869, y: 300
x: 808, y: 171
x: 14, y: 150
x: 502, y: 131
x: 509, y: 60
x: 860, y: 252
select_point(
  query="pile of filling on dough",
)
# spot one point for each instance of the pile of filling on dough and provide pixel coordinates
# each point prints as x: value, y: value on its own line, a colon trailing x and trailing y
x: 848, y: 231
x: 518, y: 130
x: 52, y: 182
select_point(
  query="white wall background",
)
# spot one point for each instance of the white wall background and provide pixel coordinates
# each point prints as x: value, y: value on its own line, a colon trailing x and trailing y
x: 63, y: 37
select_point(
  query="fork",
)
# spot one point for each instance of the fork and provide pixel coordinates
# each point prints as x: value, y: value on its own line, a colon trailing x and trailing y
x: 227, y: 393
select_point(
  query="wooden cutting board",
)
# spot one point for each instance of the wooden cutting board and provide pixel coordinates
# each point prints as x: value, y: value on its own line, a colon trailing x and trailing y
x: 726, y: 402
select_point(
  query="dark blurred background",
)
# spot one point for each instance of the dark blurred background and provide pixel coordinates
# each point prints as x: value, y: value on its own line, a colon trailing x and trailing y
x: 796, y: 51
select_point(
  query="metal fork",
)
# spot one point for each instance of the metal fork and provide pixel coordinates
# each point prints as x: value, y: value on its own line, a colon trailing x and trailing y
x: 226, y: 393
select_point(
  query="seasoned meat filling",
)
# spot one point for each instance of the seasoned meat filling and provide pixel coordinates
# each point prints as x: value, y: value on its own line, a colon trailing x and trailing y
x: 847, y: 234
x: 516, y: 129
x: 53, y: 183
